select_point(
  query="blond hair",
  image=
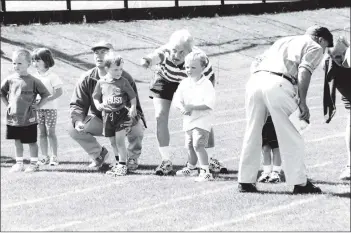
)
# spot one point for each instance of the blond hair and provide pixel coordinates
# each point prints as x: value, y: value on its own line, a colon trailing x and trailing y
x: 197, y: 56
x: 113, y: 58
x: 181, y: 37
x: 22, y: 52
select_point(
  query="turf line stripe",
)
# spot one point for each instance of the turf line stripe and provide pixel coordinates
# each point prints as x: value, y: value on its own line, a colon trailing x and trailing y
x: 215, y: 225
x: 32, y: 201
x: 57, y: 227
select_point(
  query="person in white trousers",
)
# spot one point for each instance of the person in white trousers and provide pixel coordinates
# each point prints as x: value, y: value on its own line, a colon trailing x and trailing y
x: 279, y: 86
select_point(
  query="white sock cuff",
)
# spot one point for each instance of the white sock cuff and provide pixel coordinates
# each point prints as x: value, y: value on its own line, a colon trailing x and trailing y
x: 165, y: 152
x: 19, y: 159
x: 267, y: 168
x: 190, y: 166
x: 277, y: 168
x: 206, y: 168
x: 34, y: 159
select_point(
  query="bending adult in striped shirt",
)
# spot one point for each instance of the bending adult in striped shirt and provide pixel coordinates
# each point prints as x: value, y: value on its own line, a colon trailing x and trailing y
x: 170, y: 72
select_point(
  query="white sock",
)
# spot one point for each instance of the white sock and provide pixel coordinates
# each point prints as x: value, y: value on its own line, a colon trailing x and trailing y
x: 191, y: 166
x: 33, y: 160
x: 19, y: 159
x: 277, y: 168
x: 165, y: 152
x: 267, y: 169
x: 206, y: 168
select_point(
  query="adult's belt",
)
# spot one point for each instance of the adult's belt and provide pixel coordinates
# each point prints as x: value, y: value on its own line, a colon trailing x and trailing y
x: 291, y: 80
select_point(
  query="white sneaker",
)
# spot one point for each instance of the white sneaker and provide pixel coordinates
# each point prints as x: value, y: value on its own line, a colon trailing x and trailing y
x: 132, y: 164
x: 44, y: 161
x: 32, y: 168
x: 185, y: 171
x: 216, y: 166
x: 92, y: 164
x: 164, y: 168
x: 54, y: 161
x: 118, y: 170
x: 345, y: 174
x: 204, y: 176
x: 18, y: 167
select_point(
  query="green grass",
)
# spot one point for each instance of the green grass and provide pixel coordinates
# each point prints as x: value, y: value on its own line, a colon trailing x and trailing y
x: 72, y: 197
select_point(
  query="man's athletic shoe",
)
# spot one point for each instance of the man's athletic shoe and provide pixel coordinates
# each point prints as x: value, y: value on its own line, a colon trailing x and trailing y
x: 204, y: 176
x: 44, y: 161
x: 217, y: 167
x: 247, y: 188
x: 54, y: 161
x: 118, y: 170
x: 99, y: 161
x: 132, y: 164
x: 274, y: 177
x: 309, y: 188
x: 18, y: 167
x: 264, y: 177
x: 345, y: 174
x: 185, y: 171
x: 32, y: 168
x: 164, y: 168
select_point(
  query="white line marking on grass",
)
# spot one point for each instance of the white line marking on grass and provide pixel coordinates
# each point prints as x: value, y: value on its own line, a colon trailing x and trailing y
x: 256, y: 214
x: 28, y: 202
x: 320, y: 165
x: 134, y: 211
x: 327, y: 137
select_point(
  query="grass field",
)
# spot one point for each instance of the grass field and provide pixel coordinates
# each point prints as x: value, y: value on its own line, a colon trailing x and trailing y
x: 72, y: 197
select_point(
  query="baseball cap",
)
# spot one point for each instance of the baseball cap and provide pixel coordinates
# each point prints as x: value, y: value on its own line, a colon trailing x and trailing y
x: 323, y: 32
x: 102, y: 45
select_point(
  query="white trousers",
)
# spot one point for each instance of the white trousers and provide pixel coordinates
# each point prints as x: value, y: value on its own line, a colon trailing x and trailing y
x: 269, y: 93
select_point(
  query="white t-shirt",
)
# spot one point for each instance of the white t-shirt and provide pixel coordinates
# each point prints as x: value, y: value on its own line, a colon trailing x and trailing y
x: 51, y: 82
x: 200, y: 93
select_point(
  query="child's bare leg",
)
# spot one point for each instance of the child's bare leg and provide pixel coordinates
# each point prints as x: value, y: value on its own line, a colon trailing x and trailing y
x: 43, y: 140
x: 19, y: 150
x: 53, y: 140
x: 114, y: 148
x: 121, y: 146
x: 267, y: 161
x: 200, y: 139
x: 192, y: 157
x: 277, y: 161
x: 33, y: 151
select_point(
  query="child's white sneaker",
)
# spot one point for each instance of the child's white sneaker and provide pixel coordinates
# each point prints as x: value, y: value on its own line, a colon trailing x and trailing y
x: 18, y: 167
x: 204, y: 176
x: 165, y: 168
x: 185, y: 171
x: 118, y: 170
x: 54, y: 161
x: 32, y: 168
x: 133, y: 164
x: 44, y: 161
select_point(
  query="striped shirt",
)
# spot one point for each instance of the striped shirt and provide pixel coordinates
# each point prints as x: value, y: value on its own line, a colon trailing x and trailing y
x: 173, y: 73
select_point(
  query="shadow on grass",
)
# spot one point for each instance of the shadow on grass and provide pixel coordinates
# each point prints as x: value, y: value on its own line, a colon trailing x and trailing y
x: 330, y: 183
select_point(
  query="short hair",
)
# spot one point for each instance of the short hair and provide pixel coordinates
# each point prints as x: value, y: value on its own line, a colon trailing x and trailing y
x: 45, y: 55
x: 181, y: 37
x: 113, y: 58
x: 200, y: 56
x: 317, y: 31
x: 22, y: 52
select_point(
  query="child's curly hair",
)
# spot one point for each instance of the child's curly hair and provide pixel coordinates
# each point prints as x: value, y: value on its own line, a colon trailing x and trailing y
x: 22, y: 52
x: 181, y: 37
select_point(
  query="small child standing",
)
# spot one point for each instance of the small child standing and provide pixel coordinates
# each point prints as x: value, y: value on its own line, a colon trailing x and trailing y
x: 47, y: 115
x: 112, y: 96
x: 195, y: 98
x: 270, y: 144
x: 18, y: 93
